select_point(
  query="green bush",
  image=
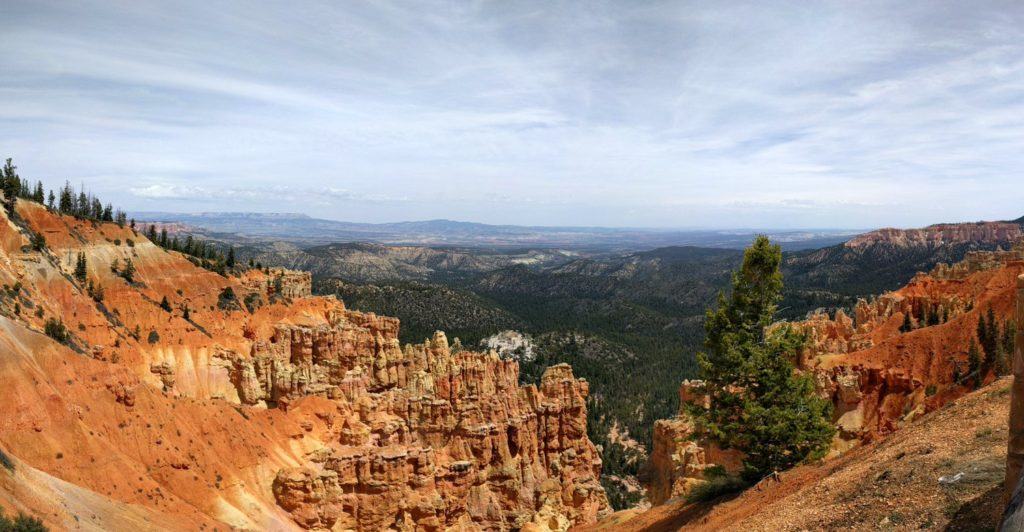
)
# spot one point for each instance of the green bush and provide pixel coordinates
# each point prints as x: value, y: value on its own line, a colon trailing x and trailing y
x: 227, y: 299
x: 21, y: 523
x: 54, y: 328
x: 38, y: 241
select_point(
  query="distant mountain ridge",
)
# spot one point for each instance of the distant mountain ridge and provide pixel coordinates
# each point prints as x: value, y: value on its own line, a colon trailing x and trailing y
x: 308, y: 231
x: 945, y: 233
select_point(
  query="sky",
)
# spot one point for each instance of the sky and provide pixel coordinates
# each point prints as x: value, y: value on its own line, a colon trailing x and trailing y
x: 852, y: 114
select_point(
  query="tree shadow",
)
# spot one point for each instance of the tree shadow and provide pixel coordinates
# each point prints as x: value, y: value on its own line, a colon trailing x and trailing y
x: 6, y: 462
x: 979, y: 513
x: 692, y: 515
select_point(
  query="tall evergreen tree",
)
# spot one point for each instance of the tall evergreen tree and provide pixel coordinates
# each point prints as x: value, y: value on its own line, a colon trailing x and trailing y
x: 38, y: 195
x: 66, y: 204
x: 11, y: 181
x: 759, y: 404
x: 1009, y: 334
x: 81, y: 268
x: 974, y: 362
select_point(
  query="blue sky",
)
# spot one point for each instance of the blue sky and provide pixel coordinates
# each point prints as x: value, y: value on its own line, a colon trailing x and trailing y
x: 631, y: 113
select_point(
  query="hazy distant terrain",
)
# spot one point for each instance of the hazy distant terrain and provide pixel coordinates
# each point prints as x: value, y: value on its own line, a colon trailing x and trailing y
x: 298, y: 228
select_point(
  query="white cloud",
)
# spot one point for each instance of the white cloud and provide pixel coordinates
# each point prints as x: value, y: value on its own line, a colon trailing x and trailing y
x: 159, y: 191
x: 603, y: 113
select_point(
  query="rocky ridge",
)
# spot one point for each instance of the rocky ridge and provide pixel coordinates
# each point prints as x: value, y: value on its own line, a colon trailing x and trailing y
x: 260, y: 406
x: 938, y: 234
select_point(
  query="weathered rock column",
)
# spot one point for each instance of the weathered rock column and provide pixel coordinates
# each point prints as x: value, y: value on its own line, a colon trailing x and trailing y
x: 1015, y: 448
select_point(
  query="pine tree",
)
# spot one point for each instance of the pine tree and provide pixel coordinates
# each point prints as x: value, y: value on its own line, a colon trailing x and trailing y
x: 164, y: 304
x: 974, y: 362
x: 991, y: 333
x: 230, y: 262
x: 758, y: 403
x: 129, y: 271
x: 185, y: 314
x: 66, y: 204
x: 38, y: 195
x: 49, y: 200
x: 11, y: 181
x: 1009, y: 334
x: 81, y: 270
x: 907, y: 324
x: 82, y: 205
x: 151, y: 233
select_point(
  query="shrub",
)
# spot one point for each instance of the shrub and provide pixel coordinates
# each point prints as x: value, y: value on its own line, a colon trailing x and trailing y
x: 38, y: 241
x: 54, y: 328
x: 154, y: 337
x: 227, y: 300
x: 129, y: 271
x: 21, y: 523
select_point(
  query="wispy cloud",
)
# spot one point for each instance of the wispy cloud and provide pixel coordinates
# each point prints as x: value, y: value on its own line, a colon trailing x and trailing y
x: 598, y: 113
x: 240, y: 196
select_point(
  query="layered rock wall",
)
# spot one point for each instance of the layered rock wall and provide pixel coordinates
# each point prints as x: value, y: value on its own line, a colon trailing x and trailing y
x: 985, y: 232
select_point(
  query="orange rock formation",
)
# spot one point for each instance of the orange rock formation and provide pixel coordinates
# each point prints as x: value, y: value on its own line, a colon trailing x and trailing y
x: 271, y: 409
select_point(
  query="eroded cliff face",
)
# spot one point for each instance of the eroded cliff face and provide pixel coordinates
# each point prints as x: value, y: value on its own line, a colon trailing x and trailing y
x: 933, y: 235
x: 271, y: 409
x: 678, y: 462
x: 877, y: 373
